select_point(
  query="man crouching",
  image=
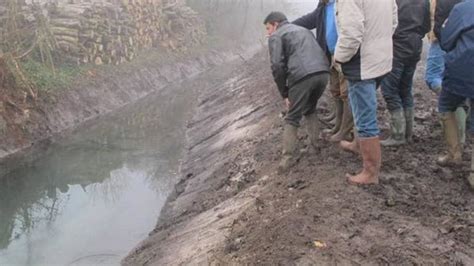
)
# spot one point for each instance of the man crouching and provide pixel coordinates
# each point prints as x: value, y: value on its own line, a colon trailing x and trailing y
x: 301, y: 71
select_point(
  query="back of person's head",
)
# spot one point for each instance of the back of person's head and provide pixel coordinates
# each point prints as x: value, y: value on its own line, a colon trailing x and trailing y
x: 275, y: 17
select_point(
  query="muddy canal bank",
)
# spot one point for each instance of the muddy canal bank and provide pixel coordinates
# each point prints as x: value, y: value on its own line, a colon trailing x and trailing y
x: 100, y: 92
x: 228, y: 117
x: 231, y: 208
x: 94, y: 194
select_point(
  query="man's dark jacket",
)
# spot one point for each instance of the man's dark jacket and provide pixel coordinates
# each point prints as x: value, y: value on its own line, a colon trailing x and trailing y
x: 316, y: 20
x: 295, y: 54
x: 413, y: 24
x: 443, y: 8
x: 457, y: 39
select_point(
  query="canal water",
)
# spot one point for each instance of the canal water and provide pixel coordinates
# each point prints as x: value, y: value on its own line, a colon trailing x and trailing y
x: 94, y: 195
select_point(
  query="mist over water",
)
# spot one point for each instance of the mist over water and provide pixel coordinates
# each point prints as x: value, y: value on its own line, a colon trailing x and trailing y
x: 97, y: 193
x: 91, y: 197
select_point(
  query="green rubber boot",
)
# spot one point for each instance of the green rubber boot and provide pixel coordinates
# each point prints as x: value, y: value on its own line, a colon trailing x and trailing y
x: 313, y: 129
x: 347, y: 124
x: 470, y: 178
x: 397, y: 130
x: 290, y: 138
x: 332, y: 111
x: 339, y: 109
x: 451, y: 136
x: 410, y: 121
x: 461, y: 118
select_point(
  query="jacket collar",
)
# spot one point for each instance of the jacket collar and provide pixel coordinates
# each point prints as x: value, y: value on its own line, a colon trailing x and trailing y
x: 283, y: 23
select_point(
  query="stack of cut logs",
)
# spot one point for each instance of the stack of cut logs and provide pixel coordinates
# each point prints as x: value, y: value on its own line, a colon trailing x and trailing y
x: 113, y: 32
x: 3, y: 20
x: 3, y: 13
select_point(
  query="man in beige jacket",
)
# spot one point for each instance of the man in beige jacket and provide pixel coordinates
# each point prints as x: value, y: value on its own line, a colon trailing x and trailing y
x: 365, y: 53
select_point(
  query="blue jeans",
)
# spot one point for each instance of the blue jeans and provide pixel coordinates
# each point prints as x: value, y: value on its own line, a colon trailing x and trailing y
x: 363, y: 100
x: 449, y: 102
x: 397, y: 86
x: 435, y: 66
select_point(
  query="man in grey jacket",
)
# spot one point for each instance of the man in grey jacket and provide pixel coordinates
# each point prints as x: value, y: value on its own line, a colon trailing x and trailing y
x: 300, y: 68
x: 365, y: 52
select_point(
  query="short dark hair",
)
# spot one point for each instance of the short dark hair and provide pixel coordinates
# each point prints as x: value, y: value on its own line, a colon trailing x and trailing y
x: 275, y: 17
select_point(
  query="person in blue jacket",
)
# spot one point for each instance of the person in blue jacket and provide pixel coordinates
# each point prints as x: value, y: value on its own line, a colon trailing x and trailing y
x: 440, y: 10
x: 457, y: 39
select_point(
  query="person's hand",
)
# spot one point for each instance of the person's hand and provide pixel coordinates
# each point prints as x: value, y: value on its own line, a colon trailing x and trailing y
x: 336, y: 65
x: 287, y: 103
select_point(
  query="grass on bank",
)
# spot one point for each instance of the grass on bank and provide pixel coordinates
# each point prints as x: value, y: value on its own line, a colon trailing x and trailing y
x: 47, y: 79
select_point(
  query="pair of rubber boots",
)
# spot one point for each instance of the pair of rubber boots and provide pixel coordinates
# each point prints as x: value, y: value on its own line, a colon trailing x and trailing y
x: 342, y: 120
x: 290, y: 142
x: 401, y: 127
x: 454, y: 135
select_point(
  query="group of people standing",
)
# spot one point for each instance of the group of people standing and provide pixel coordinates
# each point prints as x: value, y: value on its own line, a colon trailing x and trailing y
x: 361, y: 45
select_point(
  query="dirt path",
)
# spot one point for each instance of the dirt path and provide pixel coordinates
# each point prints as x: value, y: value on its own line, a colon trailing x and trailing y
x: 232, y: 208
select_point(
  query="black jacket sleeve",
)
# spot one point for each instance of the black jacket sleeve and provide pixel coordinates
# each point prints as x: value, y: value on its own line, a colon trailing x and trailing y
x: 443, y: 9
x: 310, y: 20
x: 278, y: 61
x: 316, y: 20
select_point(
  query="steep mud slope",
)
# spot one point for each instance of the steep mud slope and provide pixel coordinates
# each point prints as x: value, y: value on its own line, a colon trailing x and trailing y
x: 233, y: 108
x: 231, y: 208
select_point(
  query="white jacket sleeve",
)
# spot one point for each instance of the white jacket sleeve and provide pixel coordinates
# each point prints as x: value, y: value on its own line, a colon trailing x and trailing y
x: 395, y: 16
x: 350, y: 22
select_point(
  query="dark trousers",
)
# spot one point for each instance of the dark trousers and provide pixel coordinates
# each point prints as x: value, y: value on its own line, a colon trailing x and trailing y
x: 449, y: 102
x: 304, y: 97
x: 397, y: 86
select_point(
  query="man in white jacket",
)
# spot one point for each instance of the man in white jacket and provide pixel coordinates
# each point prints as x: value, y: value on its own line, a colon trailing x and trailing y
x: 365, y: 52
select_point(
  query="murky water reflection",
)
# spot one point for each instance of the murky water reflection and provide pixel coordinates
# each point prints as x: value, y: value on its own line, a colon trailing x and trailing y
x: 93, y: 196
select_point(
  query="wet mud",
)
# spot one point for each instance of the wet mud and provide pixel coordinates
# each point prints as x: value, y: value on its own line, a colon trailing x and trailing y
x: 230, y: 206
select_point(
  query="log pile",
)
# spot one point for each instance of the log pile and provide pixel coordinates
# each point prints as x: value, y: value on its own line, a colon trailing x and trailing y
x: 3, y: 16
x: 114, y: 32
